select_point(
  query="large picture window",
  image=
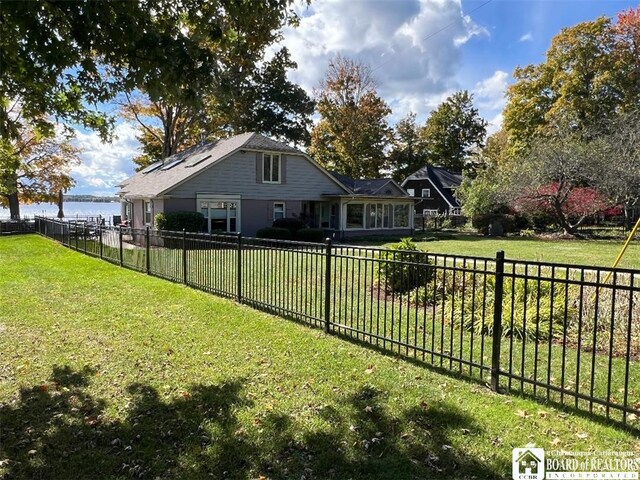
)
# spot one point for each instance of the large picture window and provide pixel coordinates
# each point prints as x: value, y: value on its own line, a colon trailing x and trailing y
x: 271, y: 168
x: 400, y: 216
x: 377, y: 216
x: 355, y: 215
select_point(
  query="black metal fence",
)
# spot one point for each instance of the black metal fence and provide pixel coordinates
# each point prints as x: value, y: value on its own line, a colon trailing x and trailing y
x: 13, y: 227
x: 565, y: 333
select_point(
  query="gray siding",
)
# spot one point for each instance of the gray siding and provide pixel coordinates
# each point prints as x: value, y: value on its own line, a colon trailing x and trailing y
x: 180, y: 205
x: 237, y: 175
x: 257, y: 214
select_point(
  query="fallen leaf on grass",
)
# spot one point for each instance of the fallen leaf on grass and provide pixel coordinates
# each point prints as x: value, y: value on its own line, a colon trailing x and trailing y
x: 368, y: 409
x: 369, y: 370
x: 582, y: 436
x: 522, y: 413
x: 555, y: 442
x: 543, y: 414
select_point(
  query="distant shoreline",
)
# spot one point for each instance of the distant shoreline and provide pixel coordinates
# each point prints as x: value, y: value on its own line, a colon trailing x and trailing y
x: 90, y: 198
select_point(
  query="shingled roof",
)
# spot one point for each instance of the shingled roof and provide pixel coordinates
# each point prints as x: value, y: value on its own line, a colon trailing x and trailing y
x: 162, y: 176
x: 367, y: 186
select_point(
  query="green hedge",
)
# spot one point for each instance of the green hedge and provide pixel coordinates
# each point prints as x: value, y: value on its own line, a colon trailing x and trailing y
x: 275, y: 233
x: 178, y: 221
x: 313, y: 235
x: 291, y: 224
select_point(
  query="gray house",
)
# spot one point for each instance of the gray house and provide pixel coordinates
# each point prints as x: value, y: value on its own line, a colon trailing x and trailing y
x: 243, y: 183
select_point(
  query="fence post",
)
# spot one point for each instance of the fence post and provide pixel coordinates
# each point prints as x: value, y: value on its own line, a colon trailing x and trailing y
x: 147, y: 251
x: 327, y: 287
x: 239, y: 268
x: 120, y: 245
x: 184, y: 256
x: 100, y: 239
x: 497, y: 321
x: 75, y: 229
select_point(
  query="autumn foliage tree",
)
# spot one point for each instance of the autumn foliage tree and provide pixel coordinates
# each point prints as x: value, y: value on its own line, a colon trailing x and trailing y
x: 35, y: 166
x: 353, y: 132
x: 556, y: 176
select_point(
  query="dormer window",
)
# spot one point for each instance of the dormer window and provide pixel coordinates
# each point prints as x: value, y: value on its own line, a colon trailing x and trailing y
x: 271, y: 168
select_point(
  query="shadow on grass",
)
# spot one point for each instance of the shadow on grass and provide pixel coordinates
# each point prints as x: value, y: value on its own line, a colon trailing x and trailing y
x: 58, y: 430
x: 464, y: 373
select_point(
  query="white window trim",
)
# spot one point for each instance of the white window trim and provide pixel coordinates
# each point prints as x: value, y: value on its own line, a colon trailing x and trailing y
x: 364, y: 216
x: 430, y: 212
x: 144, y: 212
x: 411, y: 192
x: 272, y: 154
x: 212, y: 197
x: 284, y: 209
x: 428, y: 195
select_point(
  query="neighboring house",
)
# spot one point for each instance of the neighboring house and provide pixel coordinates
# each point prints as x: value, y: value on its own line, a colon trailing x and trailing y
x: 243, y: 183
x: 435, y: 188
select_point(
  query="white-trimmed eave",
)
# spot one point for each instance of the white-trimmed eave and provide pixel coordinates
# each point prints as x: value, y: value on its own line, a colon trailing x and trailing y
x: 433, y: 185
x: 441, y: 194
x: 393, y: 182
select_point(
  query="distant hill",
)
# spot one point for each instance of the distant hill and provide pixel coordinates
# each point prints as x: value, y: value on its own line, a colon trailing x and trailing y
x: 90, y: 198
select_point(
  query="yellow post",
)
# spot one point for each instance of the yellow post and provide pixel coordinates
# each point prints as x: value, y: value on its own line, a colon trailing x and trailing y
x: 624, y: 249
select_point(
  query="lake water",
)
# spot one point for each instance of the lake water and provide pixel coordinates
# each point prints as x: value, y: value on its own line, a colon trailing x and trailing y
x: 71, y: 209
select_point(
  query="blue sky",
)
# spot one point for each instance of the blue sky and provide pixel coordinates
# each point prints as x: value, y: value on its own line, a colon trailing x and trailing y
x: 420, y: 51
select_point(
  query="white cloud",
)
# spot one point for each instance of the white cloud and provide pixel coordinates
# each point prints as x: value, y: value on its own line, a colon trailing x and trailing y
x: 490, y: 92
x: 495, y: 124
x: 414, y: 46
x: 527, y: 37
x: 104, y: 165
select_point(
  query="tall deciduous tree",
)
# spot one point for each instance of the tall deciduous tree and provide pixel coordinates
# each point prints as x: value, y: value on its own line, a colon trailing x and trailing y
x: 35, y: 167
x: 615, y: 152
x: 353, y: 132
x: 63, y: 58
x: 453, y: 131
x: 557, y: 176
x: 591, y: 71
x: 408, y: 152
x: 627, y: 56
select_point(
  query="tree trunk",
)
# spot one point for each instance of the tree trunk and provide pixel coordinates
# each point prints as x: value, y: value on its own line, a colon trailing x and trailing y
x: 562, y: 219
x: 14, y: 206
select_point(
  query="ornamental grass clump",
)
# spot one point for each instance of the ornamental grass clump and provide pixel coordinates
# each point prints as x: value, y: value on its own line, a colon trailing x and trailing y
x: 530, y: 310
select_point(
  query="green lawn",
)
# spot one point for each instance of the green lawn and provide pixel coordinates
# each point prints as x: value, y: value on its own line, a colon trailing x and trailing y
x: 108, y: 373
x: 583, y: 252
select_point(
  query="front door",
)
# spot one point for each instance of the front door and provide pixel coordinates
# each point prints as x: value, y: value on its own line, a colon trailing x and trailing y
x: 221, y: 216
